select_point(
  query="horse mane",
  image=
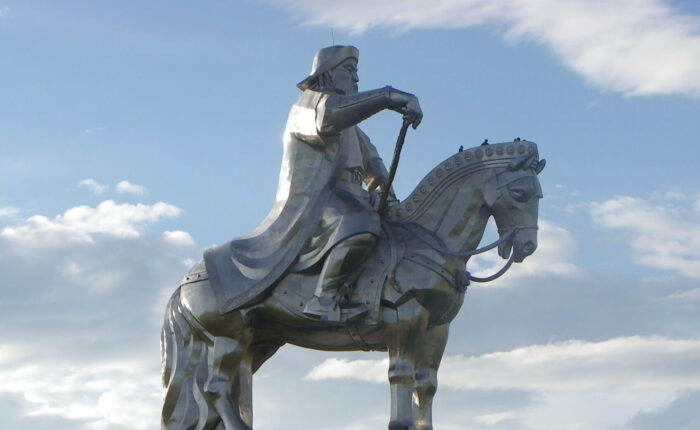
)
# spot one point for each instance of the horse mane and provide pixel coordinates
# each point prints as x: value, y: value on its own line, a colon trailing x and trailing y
x: 453, y: 170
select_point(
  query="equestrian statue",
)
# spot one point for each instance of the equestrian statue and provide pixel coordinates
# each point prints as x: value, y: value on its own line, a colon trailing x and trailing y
x: 339, y: 264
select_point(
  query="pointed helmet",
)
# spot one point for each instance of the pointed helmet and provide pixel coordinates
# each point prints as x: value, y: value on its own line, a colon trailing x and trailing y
x: 325, y: 60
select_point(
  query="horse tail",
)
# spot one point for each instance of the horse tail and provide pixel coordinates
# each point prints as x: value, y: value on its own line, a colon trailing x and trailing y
x: 184, y: 361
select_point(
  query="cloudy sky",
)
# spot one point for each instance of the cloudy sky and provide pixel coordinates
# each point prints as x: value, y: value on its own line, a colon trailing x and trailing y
x: 134, y: 135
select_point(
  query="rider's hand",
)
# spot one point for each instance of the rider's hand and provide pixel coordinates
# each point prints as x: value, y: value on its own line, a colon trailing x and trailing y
x: 406, y: 104
x: 412, y: 112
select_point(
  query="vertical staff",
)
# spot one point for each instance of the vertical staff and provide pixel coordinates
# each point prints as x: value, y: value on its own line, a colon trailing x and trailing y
x: 394, y: 165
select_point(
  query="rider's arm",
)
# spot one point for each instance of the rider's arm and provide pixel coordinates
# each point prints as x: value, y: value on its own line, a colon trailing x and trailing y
x: 336, y: 112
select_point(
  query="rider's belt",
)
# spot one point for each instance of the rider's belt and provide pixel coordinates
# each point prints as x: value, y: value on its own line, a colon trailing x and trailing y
x: 354, y: 175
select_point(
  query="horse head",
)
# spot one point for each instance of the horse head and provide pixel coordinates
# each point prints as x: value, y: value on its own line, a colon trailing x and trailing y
x: 512, y: 196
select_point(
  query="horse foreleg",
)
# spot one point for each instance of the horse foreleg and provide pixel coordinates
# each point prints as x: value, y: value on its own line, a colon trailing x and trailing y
x: 225, y: 357
x: 432, y: 346
x: 411, y: 319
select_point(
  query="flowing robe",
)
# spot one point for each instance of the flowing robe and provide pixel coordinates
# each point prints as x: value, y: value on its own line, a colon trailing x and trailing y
x: 320, y: 201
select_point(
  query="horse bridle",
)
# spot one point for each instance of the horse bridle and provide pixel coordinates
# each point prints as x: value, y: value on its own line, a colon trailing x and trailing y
x: 504, y: 235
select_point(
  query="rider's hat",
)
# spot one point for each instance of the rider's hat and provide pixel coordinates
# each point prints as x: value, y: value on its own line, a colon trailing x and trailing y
x: 326, y: 59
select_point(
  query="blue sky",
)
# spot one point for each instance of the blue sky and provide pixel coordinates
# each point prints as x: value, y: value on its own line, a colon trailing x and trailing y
x: 134, y: 135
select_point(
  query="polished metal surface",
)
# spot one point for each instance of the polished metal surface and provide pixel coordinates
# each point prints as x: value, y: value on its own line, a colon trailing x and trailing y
x: 317, y: 207
x: 321, y: 271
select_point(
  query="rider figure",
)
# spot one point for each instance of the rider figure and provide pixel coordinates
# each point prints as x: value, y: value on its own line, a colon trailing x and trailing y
x: 347, y: 230
x: 322, y: 211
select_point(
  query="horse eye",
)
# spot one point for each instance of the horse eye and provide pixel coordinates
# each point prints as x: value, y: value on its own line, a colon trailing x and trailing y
x: 519, y: 195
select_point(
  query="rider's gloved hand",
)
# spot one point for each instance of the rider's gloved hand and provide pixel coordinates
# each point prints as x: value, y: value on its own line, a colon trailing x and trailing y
x: 406, y: 104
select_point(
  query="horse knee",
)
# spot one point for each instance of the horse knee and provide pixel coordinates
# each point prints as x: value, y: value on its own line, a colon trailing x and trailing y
x: 402, y: 373
x: 426, y: 383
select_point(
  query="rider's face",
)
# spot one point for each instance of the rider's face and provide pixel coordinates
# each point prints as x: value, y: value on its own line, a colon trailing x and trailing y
x: 345, y: 76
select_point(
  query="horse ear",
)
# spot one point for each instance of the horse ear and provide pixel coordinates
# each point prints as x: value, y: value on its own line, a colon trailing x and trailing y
x: 491, y: 191
x: 540, y: 166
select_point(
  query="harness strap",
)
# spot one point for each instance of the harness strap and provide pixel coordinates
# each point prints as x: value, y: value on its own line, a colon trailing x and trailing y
x: 432, y: 266
x: 354, y: 333
x: 496, y: 275
x: 393, y: 256
x: 430, y: 240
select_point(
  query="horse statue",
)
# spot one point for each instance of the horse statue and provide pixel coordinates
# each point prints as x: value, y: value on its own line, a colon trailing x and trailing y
x: 414, y: 285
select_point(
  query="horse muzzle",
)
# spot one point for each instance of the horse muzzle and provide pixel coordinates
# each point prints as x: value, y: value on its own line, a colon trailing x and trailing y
x: 522, y: 244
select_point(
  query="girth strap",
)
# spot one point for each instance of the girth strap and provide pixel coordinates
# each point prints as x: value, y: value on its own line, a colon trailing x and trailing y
x: 434, y: 267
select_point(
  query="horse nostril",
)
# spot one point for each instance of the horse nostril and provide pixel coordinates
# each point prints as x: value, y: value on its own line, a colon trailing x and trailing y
x: 529, y: 248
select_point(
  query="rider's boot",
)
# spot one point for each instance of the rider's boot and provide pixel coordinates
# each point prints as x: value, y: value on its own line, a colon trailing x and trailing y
x: 344, y: 259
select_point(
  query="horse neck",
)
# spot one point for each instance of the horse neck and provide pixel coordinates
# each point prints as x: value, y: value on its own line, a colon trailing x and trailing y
x: 458, y: 215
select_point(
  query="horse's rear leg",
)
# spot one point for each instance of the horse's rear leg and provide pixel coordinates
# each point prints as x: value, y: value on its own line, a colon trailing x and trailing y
x: 225, y: 357
x: 429, y: 354
x: 401, y: 337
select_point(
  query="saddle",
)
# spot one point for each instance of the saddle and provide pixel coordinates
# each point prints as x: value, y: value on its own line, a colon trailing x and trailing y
x: 296, y: 289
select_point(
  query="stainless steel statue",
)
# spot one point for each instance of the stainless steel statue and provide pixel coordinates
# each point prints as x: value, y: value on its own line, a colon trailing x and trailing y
x: 323, y: 271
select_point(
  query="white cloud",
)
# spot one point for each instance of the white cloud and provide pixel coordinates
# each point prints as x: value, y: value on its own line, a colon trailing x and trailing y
x: 689, y: 296
x: 8, y: 211
x: 682, y: 413
x: 81, y: 317
x: 638, y: 47
x: 82, y: 223
x: 627, y: 362
x: 178, y: 237
x: 661, y: 235
x: 93, y: 185
x: 100, y: 397
x: 493, y: 419
x: 126, y: 187
x: 675, y: 195
x: 362, y: 370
